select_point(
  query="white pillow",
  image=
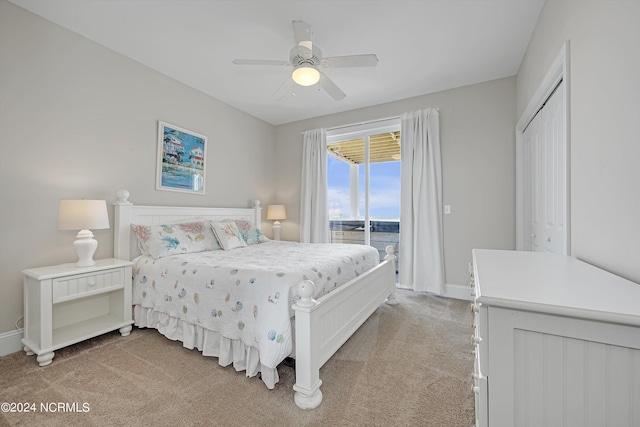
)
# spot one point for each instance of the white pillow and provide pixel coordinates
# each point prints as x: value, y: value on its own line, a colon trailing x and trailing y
x: 250, y: 233
x: 172, y: 239
x: 228, y: 235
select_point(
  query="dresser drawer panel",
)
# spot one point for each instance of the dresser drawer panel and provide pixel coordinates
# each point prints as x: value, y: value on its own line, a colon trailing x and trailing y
x: 481, y: 338
x: 481, y: 394
x: 78, y: 286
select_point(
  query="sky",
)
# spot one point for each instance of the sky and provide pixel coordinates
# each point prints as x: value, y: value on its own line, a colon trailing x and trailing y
x: 384, y: 198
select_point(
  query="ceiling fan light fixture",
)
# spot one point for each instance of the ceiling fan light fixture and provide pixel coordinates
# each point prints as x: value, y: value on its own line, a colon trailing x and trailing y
x: 306, y: 76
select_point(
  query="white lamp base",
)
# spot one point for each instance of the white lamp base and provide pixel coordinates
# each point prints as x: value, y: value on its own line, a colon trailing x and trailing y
x: 276, y: 230
x: 85, y: 246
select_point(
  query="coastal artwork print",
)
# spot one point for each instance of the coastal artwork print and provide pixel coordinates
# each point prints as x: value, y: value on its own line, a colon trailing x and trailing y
x: 181, y: 159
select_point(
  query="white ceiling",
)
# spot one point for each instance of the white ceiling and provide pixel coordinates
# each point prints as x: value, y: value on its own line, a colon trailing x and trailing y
x: 423, y: 46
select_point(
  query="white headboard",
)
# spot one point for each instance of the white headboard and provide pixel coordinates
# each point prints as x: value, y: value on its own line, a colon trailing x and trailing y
x: 126, y: 213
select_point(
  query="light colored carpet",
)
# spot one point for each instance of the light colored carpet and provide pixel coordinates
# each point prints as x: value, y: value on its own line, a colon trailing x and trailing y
x: 408, y: 365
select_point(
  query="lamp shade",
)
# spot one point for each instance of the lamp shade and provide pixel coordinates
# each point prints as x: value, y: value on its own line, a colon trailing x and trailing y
x: 306, y: 76
x: 276, y: 212
x: 83, y: 215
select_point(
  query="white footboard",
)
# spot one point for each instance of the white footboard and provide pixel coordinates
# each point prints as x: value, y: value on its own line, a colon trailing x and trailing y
x: 322, y: 326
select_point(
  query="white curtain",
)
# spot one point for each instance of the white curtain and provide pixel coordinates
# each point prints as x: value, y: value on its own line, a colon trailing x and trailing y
x: 421, y: 265
x: 314, y: 210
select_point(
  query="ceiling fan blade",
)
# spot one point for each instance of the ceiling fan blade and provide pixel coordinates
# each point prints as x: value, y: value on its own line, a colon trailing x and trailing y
x: 284, y: 89
x: 331, y: 88
x: 366, y: 60
x: 260, y: 62
x: 302, y: 35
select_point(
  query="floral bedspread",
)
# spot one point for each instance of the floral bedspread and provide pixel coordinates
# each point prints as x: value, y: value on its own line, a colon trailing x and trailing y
x: 246, y: 293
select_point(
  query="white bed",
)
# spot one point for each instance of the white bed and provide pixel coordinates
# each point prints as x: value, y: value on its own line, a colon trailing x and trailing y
x: 321, y: 326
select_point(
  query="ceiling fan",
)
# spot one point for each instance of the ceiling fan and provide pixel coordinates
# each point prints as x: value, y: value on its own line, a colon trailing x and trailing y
x: 306, y: 59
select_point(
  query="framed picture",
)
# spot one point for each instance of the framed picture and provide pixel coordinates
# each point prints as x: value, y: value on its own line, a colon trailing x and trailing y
x: 181, y: 159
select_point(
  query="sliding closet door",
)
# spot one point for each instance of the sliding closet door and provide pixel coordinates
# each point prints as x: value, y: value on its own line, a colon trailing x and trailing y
x: 544, y: 149
x: 531, y: 191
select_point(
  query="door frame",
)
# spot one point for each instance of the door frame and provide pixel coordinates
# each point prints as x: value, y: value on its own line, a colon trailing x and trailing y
x: 559, y: 71
x: 362, y: 130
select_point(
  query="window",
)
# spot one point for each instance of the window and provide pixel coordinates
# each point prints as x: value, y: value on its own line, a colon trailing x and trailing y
x: 346, y: 168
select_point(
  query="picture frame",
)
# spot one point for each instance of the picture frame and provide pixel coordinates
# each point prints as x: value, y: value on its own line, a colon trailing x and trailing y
x: 181, y: 162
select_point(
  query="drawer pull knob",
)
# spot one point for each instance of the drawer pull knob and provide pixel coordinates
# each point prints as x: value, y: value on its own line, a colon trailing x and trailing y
x: 91, y: 281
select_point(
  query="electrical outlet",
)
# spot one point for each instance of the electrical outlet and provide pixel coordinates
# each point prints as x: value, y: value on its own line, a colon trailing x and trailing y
x: 447, y: 209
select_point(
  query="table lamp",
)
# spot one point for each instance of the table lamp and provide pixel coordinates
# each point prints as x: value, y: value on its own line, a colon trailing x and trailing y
x: 276, y: 213
x: 83, y: 215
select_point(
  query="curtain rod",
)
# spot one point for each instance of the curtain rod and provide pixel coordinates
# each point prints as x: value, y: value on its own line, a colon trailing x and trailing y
x: 368, y: 122
x: 363, y: 123
x: 359, y: 124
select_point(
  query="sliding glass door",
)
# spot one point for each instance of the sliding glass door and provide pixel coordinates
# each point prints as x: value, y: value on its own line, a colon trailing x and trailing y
x: 363, y: 169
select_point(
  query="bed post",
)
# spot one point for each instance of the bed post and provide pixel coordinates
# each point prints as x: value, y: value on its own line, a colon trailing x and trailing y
x: 257, y: 221
x: 122, y: 208
x: 390, y: 256
x: 307, y: 387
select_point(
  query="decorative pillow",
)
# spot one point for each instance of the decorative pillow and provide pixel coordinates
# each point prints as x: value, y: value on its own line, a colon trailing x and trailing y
x: 172, y: 239
x: 249, y: 233
x: 228, y: 235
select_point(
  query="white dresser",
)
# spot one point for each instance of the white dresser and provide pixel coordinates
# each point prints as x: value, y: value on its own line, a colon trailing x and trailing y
x: 557, y: 342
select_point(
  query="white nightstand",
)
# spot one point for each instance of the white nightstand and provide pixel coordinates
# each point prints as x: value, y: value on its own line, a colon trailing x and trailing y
x: 65, y: 304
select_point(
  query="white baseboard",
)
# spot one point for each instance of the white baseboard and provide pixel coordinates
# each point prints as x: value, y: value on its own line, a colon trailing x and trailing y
x: 458, y: 292
x: 10, y: 342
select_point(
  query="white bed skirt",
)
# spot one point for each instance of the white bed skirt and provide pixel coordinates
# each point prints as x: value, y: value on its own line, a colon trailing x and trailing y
x: 210, y: 343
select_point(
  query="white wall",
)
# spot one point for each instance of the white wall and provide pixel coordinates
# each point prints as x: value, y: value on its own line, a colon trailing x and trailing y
x: 477, y: 125
x: 605, y: 122
x: 80, y: 121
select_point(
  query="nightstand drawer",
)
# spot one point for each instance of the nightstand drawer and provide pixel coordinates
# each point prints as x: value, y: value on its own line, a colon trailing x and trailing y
x: 81, y: 285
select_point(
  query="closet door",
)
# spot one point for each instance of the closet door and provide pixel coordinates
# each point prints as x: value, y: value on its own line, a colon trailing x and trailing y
x: 531, y: 188
x: 545, y: 178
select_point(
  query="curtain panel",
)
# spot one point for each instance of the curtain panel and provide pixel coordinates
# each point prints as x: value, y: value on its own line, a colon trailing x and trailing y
x: 314, y: 209
x: 421, y: 235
